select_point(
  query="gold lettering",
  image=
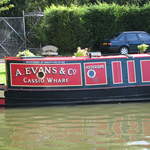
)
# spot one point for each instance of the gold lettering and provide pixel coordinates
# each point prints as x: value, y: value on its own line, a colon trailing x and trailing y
x: 27, y: 70
x: 18, y: 73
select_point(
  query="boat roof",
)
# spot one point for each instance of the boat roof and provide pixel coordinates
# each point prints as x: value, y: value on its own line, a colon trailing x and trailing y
x: 75, y: 58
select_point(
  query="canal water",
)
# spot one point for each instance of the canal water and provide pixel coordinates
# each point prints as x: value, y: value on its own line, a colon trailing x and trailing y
x: 87, y: 127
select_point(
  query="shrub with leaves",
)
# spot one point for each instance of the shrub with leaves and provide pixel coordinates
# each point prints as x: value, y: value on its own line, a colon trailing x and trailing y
x: 4, y: 5
x: 25, y: 53
x: 142, y: 47
x: 81, y: 52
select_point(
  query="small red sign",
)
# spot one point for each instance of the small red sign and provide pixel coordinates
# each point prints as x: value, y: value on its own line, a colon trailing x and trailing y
x: 95, y: 73
x: 49, y: 75
x: 131, y: 71
x: 145, y: 71
x: 117, y: 72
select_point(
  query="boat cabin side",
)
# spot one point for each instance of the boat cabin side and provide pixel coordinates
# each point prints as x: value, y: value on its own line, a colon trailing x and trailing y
x: 82, y: 72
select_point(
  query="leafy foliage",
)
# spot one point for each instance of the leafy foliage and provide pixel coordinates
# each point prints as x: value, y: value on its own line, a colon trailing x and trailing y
x: 81, y: 52
x: 69, y: 27
x: 4, y: 5
x: 126, y: 2
x: 40, y: 5
x: 64, y: 27
x: 25, y: 53
x: 2, y: 73
x: 143, y: 47
x: 70, y: 23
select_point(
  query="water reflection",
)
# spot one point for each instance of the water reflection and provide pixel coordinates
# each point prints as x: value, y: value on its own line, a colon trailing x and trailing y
x: 90, y: 127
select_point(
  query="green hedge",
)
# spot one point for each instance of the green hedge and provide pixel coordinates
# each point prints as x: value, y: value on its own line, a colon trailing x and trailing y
x: 84, y: 26
x: 39, y: 5
x: 64, y: 27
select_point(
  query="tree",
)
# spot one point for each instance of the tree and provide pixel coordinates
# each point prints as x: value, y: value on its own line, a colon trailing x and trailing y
x: 5, y: 5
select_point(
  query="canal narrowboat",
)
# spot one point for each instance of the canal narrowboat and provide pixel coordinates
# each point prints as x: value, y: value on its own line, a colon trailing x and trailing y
x: 77, y: 80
